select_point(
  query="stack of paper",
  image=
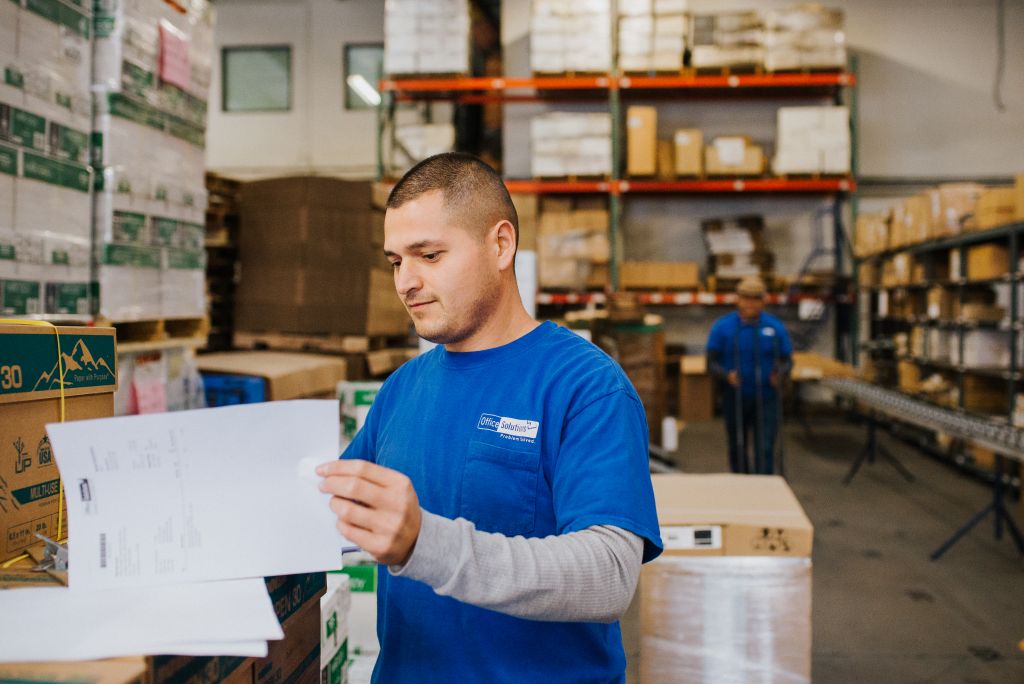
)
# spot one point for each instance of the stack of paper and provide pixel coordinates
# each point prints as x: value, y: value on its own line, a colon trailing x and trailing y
x: 173, y: 521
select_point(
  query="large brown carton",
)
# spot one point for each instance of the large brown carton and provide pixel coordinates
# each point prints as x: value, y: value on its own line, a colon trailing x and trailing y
x: 657, y: 275
x: 309, y: 262
x: 529, y: 213
x: 735, y: 545
x: 29, y: 399
x: 689, y: 152
x: 986, y: 261
x: 288, y: 375
x: 696, y: 390
x: 750, y: 161
x: 996, y: 207
x: 641, y: 140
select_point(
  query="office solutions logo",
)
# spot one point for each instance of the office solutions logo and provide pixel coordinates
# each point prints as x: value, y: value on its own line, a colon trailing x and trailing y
x: 510, y: 428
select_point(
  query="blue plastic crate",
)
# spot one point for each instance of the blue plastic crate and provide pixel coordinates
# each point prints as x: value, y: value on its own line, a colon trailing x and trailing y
x: 228, y: 390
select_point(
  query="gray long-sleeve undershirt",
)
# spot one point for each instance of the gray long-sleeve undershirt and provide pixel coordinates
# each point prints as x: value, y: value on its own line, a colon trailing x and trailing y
x: 585, y: 576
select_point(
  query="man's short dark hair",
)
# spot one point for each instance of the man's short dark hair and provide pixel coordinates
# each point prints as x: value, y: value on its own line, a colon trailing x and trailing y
x: 473, y: 192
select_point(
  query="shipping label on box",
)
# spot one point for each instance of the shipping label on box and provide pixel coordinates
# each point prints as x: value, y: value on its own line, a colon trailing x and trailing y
x: 30, y: 381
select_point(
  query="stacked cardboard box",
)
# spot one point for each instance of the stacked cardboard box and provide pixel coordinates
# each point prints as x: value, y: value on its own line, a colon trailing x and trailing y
x: 688, y: 152
x: 151, y: 86
x: 737, y: 247
x: 696, y: 390
x: 418, y: 141
x: 308, y: 261
x: 572, y: 241
x: 45, y: 120
x: 640, y: 349
x: 733, y: 155
x: 29, y: 399
x: 995, y: 207
x: 426, y: 37
x: 652, y: 35
x: 806, y: 36
x: 735, y: 545
x: 570, y: 36
x: 356, y: 398
x: 812, y: 140
x: 360, y: 572
x: 726, y: 40
x: 951, y: 205
x: 871, y: 234
x: 659, y: 275
x: 571, y: 144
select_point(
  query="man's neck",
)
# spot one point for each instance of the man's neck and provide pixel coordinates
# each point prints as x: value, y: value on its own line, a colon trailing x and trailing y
x: 508, y: 323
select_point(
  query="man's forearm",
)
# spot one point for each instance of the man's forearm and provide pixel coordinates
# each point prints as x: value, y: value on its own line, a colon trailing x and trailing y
x: 585, y: 576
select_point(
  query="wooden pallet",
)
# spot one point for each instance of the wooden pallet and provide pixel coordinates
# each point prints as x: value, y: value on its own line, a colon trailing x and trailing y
x: 158, y: 333
x: 324, y: 344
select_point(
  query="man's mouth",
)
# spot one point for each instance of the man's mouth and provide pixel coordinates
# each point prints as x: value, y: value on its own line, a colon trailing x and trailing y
x: 417, y: 305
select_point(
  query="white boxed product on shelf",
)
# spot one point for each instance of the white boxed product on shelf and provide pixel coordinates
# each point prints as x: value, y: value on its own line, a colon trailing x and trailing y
x: 671, y: 6
x: 570, y: 36
x: 670, y: 25
x: 426, y: 37
x: 983, y: 349
x: 812, y: 140
x: 567, y: 144
x: 635, y: 7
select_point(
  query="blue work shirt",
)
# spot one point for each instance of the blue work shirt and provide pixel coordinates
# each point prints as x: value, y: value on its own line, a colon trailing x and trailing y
x: 734, y: 342
x: 542, y: 436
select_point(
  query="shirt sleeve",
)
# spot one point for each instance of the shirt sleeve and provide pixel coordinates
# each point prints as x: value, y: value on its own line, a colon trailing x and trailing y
x: 585, y: 576
x: 601, y: 475
x: 715, y: 338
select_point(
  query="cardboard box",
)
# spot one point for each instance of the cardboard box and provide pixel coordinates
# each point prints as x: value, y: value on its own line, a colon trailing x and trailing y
x: 689, y: 152
x: 297, y: 652
x: 984, y: 395
x: 29, y: 399
x: 111, y: 671
x: 940, y: 303
x: 666, y: 160
x: 720, y: 160
x: 659, y: 275
x: 1018, y: 194
x: 731, y: 515
x: 952, y: 204
x: 287, y: 375
x: 909, y: 376
x: 696, y: 390
x: 989, y: 260
x: 641, y: 140
x: 528, y: 211
x: 983, y: 349
x: 308, y: 261
x: 996, y: 207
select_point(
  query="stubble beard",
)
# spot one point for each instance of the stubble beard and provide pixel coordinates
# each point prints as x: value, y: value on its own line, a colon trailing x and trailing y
x: 453, y: 329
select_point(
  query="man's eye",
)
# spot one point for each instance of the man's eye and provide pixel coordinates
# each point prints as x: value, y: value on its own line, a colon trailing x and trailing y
x: 395, y: 264
x: 432, y: 256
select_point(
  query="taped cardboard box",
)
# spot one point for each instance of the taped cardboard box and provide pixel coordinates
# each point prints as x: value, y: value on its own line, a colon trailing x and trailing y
x: 287, y: 375
x: 29, y: 399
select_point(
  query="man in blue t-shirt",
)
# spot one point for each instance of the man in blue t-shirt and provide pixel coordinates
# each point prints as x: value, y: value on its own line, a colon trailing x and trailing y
x: 502, y: 478
x: 749, y: 351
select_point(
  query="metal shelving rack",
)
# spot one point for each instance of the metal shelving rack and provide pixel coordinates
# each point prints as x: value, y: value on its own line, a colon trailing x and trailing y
x: 615, y: 89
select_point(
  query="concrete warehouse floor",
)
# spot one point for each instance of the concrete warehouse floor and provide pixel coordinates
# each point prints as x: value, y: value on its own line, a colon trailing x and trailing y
x: 883, y: 612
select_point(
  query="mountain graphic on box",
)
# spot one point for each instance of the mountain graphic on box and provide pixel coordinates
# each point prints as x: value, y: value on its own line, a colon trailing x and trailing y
x: 80, y: 359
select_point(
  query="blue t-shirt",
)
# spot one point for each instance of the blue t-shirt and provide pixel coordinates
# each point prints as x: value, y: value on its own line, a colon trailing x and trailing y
x: 539, y: 437
x: 731, y: 337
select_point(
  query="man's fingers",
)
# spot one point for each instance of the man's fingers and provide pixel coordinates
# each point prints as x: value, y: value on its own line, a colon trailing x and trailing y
x: 358, y: 468
x: 353, y: 514
x: 354, y: 488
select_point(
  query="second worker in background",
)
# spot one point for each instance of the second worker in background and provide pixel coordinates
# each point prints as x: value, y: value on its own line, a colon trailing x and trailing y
x: 750, y: 352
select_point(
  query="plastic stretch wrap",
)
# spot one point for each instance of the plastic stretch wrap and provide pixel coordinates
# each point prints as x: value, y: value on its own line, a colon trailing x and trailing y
x: 726, y: 619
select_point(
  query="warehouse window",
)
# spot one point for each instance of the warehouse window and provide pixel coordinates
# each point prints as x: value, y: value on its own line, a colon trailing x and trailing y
x: 364, y: 64
x: 257, y: 79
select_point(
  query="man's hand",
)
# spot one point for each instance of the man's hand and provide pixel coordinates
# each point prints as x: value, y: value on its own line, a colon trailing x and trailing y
x: 377, y: 508
x: 734, y: 378
x: 774, y: 379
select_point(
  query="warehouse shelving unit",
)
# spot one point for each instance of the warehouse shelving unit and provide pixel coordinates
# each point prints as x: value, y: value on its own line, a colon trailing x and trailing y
x: 615, y: 89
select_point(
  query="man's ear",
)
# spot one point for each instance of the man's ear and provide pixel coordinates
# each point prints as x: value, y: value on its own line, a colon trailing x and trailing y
x: 505, y: 244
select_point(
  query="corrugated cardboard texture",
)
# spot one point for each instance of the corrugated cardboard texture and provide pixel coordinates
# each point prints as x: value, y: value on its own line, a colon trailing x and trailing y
x: 759, y: 514
x: 311, y: 261
x: 658, y: 275
x: 288, y: 375
x: 296, y: 658
x: 696, y: 390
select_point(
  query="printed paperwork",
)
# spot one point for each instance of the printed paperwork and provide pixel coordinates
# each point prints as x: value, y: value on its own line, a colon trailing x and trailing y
x: 200, y: 495
x: 209, y: 618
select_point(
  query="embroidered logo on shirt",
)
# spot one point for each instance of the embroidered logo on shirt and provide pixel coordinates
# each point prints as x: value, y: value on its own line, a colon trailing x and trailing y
x: 768, y: 332
x: 511, y: 427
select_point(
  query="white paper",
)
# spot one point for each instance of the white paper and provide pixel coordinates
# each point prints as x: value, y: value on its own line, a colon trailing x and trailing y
x: 189, y: 496
x: 60, y: 623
